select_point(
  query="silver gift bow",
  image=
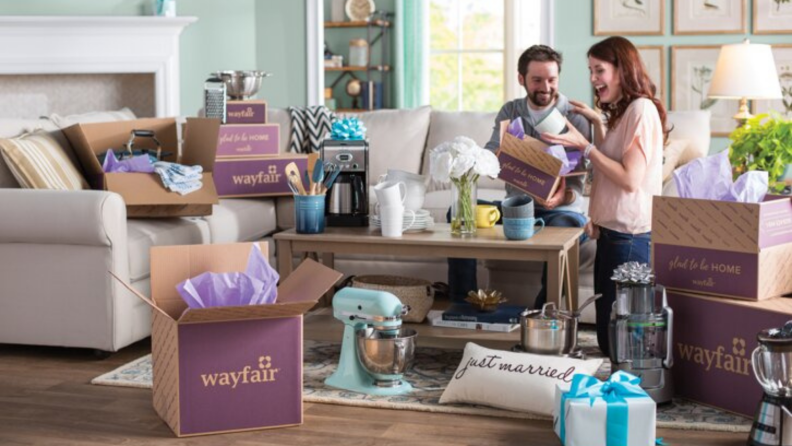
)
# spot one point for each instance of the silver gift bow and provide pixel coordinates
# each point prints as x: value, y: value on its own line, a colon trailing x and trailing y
x: 633, y: 273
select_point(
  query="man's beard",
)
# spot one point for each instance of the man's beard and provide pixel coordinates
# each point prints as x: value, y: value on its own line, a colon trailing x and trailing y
x: 543, y: 100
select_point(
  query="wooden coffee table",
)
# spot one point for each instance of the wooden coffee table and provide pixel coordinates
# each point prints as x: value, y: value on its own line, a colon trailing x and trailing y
x: 559, y: 247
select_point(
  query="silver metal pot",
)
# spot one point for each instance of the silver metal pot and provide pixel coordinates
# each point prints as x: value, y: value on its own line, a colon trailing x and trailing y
x: 551, y: 331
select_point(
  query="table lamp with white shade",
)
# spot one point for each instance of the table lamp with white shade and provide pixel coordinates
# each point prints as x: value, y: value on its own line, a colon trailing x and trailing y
x: 745, y: 71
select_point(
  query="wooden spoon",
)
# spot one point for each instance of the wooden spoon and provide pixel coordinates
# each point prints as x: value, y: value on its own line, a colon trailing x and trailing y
x: 294, y: 175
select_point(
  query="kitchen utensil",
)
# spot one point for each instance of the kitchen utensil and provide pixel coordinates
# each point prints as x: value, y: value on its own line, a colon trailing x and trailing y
x: 293, y: 173
x: 318, y: 176
x: 241, y: 84
x: 551, y: 331
x: 215, y: 99
x: 309, y: 186
x: 376, y: 350
x: 640, y: 329
x: 331, y: 174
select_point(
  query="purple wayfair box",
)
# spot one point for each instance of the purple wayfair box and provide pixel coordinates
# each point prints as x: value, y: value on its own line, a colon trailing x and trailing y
x: 713, y: 339
x: 246, y: 112
x: 247, y: 177
x: 245, y: 140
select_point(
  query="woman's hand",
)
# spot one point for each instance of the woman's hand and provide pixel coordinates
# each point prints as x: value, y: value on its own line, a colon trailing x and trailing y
x: 572, y: 138
x: 591, y: 230
x: 587, y: 112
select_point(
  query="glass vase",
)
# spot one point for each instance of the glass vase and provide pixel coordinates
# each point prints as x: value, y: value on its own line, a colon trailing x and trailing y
x: 463, y: 207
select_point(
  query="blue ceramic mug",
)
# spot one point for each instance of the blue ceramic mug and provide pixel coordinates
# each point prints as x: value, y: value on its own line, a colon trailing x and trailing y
x: 309, y: 214
x: 521, y: 228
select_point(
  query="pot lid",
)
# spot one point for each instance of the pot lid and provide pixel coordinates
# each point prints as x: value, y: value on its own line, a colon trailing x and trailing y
x: 776, y: 337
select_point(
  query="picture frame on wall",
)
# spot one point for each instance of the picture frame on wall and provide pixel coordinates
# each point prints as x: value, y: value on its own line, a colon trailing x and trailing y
x: 772, y: 17
x: 629, y: 17
x: 692, y: 68
x: 693, y: 17
x: 653, y: 57
x: 782, y: 55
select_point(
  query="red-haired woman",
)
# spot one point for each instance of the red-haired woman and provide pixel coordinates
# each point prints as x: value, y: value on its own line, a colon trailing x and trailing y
x: 627, y: 155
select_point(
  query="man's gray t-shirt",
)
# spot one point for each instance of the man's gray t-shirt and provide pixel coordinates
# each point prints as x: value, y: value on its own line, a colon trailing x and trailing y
x: 518, y: 108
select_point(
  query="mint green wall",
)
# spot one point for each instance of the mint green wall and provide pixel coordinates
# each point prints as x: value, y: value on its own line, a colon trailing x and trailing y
x: 574, y: 34
x: 232, y: 34
x: 281, y: 48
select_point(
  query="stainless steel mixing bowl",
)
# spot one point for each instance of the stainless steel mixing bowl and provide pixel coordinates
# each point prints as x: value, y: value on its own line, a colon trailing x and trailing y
x: 386, y: 355
x: 241, y: 84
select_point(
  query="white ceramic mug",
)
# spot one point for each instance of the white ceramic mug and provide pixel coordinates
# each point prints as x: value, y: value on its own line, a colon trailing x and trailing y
x: 392, y: 220
x: 553, y: 123
x: 391, y: 193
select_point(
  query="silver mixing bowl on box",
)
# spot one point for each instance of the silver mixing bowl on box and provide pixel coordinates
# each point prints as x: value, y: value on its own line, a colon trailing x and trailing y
x: 241, y: 84
x: 386, y: 355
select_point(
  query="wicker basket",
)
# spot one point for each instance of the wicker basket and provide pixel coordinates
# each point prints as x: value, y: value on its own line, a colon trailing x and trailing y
x: 417, y: 293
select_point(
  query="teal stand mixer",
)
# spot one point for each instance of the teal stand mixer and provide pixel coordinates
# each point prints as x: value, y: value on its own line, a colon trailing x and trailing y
x: 376, y: 350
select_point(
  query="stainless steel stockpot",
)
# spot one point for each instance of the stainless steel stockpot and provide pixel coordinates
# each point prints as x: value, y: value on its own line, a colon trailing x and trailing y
x: 551, y: 331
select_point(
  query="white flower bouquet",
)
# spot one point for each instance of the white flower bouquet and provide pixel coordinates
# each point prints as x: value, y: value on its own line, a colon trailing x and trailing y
x: 462, y: 162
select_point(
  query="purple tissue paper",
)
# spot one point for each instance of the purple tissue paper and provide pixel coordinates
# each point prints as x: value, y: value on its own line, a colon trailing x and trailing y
x: 256, y: 286
x: 710, y: 178
x: 516, y: 128
x: 140, y: 164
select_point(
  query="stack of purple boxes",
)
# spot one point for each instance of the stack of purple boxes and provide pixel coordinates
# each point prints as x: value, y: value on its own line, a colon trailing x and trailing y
x: 248, y: 161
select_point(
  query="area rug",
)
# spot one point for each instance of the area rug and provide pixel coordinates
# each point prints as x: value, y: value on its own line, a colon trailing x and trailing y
x: 431, y: 371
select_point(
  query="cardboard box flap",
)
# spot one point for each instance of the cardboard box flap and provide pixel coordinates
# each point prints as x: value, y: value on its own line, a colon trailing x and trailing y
x: 93, y: 139
x: 171, y: 265
x: 145, y: 299
x: 200, y: 142
x: 531, y: 151
x: 307, y: 283
x: 239, y: 313
x: 139, y: 189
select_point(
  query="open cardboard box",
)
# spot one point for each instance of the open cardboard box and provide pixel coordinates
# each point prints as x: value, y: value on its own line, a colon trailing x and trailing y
x: 143, y: 193
x: 526, y: 166
x: 227, y: 369
x: 739, y: 250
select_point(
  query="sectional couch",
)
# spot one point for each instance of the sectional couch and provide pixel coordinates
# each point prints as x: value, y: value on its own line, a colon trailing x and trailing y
x: 57, y: 246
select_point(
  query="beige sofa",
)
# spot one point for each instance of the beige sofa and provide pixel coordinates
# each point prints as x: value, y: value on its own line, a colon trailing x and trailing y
x: 56, y: 247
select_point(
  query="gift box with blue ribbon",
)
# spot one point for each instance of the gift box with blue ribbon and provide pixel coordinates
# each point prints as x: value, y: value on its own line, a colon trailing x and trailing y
x: 616, y: 412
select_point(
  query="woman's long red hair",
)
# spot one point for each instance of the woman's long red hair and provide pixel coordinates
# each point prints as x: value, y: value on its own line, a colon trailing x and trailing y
x: 635, y: 83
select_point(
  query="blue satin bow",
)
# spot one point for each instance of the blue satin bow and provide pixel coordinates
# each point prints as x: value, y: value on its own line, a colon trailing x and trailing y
x: 614, y: 391
x: 348, y: 129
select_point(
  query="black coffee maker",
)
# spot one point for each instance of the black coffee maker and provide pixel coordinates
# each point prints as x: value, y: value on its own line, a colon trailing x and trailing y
x: 347, y: 200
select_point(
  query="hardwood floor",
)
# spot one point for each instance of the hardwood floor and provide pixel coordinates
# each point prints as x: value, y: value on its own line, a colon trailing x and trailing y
x: 46, y: 399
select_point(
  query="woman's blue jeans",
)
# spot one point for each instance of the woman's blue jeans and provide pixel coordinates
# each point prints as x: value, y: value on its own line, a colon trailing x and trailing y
x: 462, y: 272
x: 613, y: 249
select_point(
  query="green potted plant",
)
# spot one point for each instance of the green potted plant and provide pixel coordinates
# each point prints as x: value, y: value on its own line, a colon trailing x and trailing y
x: 764, y: 142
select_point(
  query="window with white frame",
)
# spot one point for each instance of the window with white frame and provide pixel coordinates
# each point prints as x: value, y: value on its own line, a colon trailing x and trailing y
x: 474, y: 46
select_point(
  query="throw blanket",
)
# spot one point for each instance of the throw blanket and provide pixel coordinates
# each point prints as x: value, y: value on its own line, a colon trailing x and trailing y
x: 309, y: 125
x: 178, y: 178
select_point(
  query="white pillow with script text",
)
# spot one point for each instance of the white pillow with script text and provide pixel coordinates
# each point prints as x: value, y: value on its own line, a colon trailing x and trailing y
x: 515, y: 381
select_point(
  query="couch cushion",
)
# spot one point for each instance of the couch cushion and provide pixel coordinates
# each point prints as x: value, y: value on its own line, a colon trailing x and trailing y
x: 446, y: 126
x: 281, y: 117
x: 241, y: 219
x: 10, y: 128
x: 397, y: 139
x: 145, y: 233
x: 38, y: 161
x: 124, y: 114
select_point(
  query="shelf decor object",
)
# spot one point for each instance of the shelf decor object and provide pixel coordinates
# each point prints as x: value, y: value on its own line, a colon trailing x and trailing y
x: 359, y: 9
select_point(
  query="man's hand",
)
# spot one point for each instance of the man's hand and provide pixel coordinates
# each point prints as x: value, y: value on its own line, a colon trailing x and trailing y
x: 558, y: 198
x: 592, y: 230
x: 572, y: 138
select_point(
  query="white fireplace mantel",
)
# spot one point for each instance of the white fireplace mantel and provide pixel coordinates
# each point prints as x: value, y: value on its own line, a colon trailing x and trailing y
x: 97, y: 45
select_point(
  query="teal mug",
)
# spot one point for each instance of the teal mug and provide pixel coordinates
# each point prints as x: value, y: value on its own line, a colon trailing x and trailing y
x: 521, y: 228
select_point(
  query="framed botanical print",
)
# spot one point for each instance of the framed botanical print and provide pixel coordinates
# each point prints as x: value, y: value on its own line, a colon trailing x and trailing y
x: 782, y: 54
x: 653, y: 57
x: 692, y: 68
x: 772, y: 17
x: 629, y: 17
x: 710, y: 16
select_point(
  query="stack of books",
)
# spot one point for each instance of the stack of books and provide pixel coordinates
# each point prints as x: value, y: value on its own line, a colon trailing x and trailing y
x: 505, y: 319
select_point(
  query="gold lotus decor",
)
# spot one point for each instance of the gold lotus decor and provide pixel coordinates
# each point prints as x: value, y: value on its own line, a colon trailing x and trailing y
x: 485, y: 300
